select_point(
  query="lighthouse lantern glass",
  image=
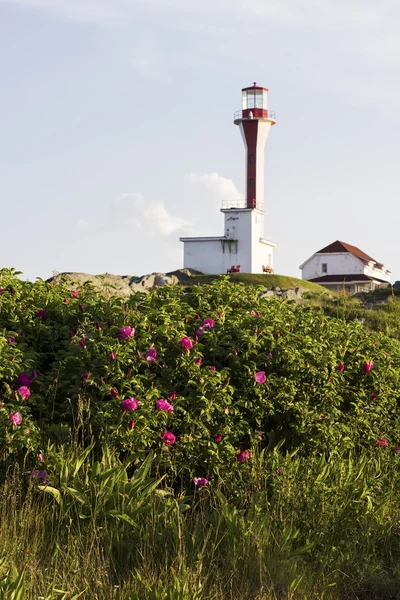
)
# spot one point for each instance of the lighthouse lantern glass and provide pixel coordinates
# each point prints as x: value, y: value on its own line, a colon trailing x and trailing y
x: 254, y: 98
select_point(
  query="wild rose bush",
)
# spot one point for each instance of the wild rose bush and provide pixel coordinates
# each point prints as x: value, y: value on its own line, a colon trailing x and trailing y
x: 205, y: 376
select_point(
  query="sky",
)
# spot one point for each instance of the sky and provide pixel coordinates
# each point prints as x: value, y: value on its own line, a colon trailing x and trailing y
x: 117, y: 132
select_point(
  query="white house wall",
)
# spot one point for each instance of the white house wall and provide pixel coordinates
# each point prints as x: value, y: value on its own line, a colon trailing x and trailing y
x: 337, y: 264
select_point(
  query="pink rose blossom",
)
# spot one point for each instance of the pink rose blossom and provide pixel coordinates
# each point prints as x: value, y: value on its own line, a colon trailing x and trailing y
x: 11, y: 340
x: 260, y: 377
x: 131, y: 424
x: 24, y: 379
x: 172, y: 396
x: 41, y: 457
x: 66, y: 301
x: 81, y: 307
x: 217, y: 438
x: 24, y: 392
x: 253, y: 313
x: 243, y: 456
x: 382, y: 442
x: 126, y: 332
x: 374, y: 397
x: 368, y: 366
x: 198, y: 361
x: 112, y: 355
x: 340, y: 367
x: 197, y: 316
x: 210, y: 323
x: 151, y: 355
x: 74, y: 294
x: 129, y: 405
x: 186, y: 343
x: 212, y: 368
x: 15, y: 418
x: 168, y: 438
x: 164, y: 405
x: 114, y: 392
x: 41, y: 313
x: 200, y: 481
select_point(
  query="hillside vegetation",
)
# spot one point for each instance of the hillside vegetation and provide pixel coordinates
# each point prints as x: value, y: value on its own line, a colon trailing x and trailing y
x: 195, y: 442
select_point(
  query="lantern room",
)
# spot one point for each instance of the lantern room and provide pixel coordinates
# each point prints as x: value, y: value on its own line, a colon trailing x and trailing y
x: 254, y: 104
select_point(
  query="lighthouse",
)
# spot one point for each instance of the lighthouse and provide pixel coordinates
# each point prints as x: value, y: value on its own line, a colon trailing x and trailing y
x: 242, y: 247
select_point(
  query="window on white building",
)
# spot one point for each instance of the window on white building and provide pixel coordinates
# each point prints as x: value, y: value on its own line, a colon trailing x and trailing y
x: 324, y: 267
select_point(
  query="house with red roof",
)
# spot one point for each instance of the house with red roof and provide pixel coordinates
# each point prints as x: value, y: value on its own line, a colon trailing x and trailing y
x: 342, y: 267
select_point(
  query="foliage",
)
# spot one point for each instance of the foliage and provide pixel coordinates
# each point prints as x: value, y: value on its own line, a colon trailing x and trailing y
x: 70, y: 348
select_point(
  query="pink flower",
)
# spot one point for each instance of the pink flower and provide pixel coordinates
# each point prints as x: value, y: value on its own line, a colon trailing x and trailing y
x: 197, y: 316
x: 164, y: 405
x: 74, y: 294
x: 131, y: 424
x: 84, y: 376
x: 212, y: 368
x: 129, y: 405
x: 41, y: 313
x: 382, y: 442
x: 114, y: 392
x: 98, y: 325
x: 24, y: 379
x: 198, y: 361
x: 260, y: 377
x: 36, y: 474
x: 340, y: 367
x: 210, y: 323
x: 374, y: 397
x: 200, y: 481
x: 168, y: 438
x: 243, y: 456
x: 253, y: 313
x: 15, y: 418
x: 112, y: 355
x: 10, y: 340
x: 151, y: 355
x: 397, y: 450
x: 368, y: 366
x: 41, y: 457
x: 186, y: 343
x: 220, y: 315
x: 126, y: 332
x: 24, y: 392
x: 66, y: 301
x: 81, y: 307
x: 82, y: 344
x: 217, y: 438
x: 279, y: 471
x: 35, y: 374
x: 172, y: 396
x: 259, y: 315
x: 71, y: 334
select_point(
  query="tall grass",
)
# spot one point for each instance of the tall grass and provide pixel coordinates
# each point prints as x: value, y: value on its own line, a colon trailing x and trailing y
x: 295, y: 527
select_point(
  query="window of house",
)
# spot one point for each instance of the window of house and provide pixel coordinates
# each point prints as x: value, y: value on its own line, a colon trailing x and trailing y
x: 324, y: 267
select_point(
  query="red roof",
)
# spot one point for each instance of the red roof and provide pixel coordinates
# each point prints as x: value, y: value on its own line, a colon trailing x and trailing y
x: 345, y: 278
x: 343, y: 247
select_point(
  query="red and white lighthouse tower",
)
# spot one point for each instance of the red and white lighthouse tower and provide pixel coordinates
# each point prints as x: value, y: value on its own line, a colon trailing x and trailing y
x: 254, y: 121
x: 242, y: 247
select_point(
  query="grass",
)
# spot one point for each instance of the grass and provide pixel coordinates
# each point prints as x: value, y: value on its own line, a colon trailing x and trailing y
x: 316, y: 527
x: 266, y: 280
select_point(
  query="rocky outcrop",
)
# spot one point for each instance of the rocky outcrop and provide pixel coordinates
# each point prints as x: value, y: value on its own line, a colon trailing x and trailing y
x: 126, y: 285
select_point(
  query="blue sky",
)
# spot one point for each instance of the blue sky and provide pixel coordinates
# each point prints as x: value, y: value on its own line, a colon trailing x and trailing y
x: 117, y: 133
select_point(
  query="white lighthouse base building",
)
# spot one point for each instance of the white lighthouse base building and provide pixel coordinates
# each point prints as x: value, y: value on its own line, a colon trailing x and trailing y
x: 242, y: 246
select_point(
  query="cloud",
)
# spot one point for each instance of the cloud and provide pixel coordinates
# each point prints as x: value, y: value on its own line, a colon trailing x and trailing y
x: 132, y: 214
x: 219, y: 188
